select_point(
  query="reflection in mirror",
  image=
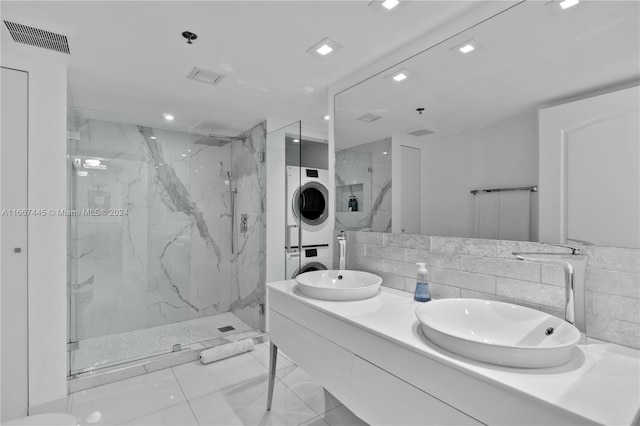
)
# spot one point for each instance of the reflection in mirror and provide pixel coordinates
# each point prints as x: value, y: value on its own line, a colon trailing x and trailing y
x: 363, y: 187
x: 481, y: 126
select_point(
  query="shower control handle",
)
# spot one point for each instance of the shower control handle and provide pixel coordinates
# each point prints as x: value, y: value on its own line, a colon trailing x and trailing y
x: 243, y: 223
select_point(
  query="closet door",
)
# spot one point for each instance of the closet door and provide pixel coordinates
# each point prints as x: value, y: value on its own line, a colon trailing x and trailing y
x: 13, y: 247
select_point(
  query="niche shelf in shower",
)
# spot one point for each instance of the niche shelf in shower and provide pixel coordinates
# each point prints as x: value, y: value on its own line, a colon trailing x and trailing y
x: 343, y: 192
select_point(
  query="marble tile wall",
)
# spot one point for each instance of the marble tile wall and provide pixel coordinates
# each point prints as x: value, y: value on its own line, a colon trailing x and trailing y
x: 248, y: 280
x: 381, y: 191
x: 478, y: 268
x: 373, y: 173
x: 169, y: 257
x: 353, y: 177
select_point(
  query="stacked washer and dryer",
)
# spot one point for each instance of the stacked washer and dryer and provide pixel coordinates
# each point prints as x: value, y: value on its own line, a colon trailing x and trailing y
x: 308, y: 204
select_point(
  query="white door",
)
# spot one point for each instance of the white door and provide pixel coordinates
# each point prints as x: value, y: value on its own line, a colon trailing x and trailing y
x: 13, y: 247
x: 590, y: 170
x: 410, y: 190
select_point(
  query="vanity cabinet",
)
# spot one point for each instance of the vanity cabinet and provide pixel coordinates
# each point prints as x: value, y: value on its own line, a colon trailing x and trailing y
x: 319, y: 357
x: 372, y: 393
x: 372, y: 356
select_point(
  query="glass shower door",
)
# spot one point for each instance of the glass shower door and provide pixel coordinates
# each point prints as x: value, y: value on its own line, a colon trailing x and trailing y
x: 129, y: 247
x: 166, y: 240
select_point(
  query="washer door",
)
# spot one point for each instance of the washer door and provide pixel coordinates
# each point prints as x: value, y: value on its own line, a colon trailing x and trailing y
x: 311, y: 203
x: 308, y: 267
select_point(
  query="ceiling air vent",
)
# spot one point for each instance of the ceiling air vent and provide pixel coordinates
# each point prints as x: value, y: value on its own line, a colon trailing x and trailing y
x: 205, y: 76
x: 37, y: 37
x: 421, y: 132
x: 368, y: 118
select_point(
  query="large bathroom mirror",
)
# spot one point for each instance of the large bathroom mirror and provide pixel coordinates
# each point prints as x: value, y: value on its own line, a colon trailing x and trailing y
x: 474, y: 131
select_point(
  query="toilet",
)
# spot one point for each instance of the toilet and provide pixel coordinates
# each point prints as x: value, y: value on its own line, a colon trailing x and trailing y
x: 48, y: 419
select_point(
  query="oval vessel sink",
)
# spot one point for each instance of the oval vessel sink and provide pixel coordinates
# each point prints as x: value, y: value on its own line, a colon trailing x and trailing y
x: 498, y: 333
x: 339, y: 285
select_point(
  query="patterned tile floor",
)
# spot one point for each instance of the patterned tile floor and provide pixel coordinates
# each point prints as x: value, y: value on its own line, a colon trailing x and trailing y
x: 97, y: 352
x: 232, y: 391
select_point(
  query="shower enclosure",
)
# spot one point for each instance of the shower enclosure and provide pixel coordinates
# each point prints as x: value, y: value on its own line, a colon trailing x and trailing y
x: 166, y: 240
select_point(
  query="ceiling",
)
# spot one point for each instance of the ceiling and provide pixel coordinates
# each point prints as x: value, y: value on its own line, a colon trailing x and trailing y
x: 531, y: 58
x: 129, y: 61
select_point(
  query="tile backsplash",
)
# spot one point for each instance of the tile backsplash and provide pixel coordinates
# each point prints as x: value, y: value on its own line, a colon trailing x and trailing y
x: 486, y: 269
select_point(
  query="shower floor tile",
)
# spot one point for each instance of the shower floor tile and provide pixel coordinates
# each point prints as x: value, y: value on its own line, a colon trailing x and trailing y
x: 104, y: 351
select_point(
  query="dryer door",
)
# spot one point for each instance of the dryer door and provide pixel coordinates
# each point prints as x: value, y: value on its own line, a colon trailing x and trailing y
x: 311, y: 203
x: 307, y: 267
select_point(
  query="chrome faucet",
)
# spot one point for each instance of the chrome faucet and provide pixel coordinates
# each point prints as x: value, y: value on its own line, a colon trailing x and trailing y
x: 342, y: 241
x: 574, y: 306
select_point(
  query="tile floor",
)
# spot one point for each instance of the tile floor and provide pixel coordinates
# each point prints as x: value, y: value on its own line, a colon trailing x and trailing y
x: 227, y: 392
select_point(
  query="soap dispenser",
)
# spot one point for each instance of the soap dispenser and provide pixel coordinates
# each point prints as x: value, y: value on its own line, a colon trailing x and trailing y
x: 422, y: 294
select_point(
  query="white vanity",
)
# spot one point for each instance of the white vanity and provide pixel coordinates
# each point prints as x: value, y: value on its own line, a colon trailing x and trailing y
x: 373, y: 357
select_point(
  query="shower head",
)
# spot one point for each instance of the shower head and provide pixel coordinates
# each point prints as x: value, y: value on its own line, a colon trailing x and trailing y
x: 218, y: 140
x: 213, y: 140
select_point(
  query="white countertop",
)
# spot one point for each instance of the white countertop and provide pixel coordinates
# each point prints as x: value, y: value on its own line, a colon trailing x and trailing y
x: 601, y: 382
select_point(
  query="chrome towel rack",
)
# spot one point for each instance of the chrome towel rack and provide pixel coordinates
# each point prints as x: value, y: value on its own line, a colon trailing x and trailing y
x: 521, y: 188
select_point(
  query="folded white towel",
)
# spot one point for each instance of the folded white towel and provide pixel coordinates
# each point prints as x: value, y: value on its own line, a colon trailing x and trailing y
x: 226, y: 351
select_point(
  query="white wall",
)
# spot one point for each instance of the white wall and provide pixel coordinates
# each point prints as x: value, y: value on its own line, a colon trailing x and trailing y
x: 47, y: 243
x: 500, y: 156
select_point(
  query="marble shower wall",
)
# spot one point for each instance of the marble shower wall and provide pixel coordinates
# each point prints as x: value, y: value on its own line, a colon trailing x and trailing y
x: 353, y: 178
x: 248, y: 289
x: 367, y: 176
x: 168, y: 258
x: 381, y: 191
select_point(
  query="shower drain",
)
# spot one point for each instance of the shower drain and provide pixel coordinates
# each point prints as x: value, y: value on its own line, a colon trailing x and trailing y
x: 225, y: 328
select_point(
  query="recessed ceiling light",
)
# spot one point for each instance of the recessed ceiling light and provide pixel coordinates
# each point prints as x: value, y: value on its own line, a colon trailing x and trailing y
x: 168, y: 117
x: 326, y: 117
x: 566, y: 4
x: 385, y: 153
x: 466, y: 47
x: 399, y: 75
x: 92, y: 162
x: 558, y: 6
x: 324, y: 48
x: 390, y: 4
x: 296, y: 140
x: 385, y: 6
x: 153, y: 137
x: 184, y: 155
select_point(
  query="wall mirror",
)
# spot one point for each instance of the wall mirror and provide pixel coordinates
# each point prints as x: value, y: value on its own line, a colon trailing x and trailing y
x: 462, y: 127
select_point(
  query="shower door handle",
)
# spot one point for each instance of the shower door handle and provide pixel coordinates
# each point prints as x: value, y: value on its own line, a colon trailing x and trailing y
x: 288, y: 237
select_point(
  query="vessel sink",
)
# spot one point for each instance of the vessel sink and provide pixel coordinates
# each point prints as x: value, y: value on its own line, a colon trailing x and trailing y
x: 498, y: 333
x: 339, y: 284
